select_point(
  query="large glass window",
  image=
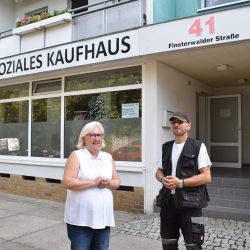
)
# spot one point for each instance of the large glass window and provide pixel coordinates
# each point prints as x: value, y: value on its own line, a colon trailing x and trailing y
x: 210, y: 3
x: 104, y: 79
x: 46, y: 120
x: 31, y: 115
x: 14, y: 91
x: 120, y: 114
x: 14, y: 128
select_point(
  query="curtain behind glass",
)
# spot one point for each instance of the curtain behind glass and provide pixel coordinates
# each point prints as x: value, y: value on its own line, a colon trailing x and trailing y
x: 14, y: 128
x: 45, y: 128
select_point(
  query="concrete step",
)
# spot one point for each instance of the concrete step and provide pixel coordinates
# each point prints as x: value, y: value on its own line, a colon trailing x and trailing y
x: 230, y: 182
x: 229, y: 202
x: 227, y: 213
x: 229, y: 191
x: 229, y: 199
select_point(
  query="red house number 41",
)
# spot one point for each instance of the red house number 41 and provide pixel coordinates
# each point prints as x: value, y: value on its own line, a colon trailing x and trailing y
x: 197, y: 27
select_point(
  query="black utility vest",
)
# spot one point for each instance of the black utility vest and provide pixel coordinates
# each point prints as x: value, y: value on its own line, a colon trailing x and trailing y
x: 187, y: 165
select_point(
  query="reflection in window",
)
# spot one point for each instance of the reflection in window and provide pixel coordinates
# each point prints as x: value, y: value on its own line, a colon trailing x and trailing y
x: 14, y: 91
x: 14, y: 128
x: 103, y: 79
x: 45, y: 129
x: 120, y: 114
x: 210, y: 3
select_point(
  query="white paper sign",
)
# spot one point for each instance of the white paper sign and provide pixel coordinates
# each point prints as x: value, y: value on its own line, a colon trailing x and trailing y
x: 130, y: 110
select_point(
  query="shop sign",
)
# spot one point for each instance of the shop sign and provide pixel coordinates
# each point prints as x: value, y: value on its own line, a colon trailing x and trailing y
x: 74, y: 54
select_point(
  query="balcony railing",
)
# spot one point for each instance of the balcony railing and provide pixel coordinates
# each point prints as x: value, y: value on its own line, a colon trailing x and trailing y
x: 5, y: 33
x: 107, y: 17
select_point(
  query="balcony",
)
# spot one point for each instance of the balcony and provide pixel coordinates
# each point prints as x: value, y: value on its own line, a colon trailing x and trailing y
x: 82, y: 23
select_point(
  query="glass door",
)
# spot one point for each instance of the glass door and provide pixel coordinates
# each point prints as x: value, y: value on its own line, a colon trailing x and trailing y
x: 225, y: 130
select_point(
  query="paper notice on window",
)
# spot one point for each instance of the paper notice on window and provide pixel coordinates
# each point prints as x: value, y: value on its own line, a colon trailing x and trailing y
x: 130, y: 110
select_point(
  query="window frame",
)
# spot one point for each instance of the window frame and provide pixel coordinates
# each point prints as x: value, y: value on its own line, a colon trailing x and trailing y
x: 41, y: 82
x: 234, y: 2
x: 36, y: 11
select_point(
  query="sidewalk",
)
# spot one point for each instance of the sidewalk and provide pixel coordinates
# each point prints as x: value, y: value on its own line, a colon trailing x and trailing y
x: 32, y: 224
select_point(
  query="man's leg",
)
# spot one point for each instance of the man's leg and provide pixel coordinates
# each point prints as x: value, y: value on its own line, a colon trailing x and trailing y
x: 192, y: 227
x: 169, y: 227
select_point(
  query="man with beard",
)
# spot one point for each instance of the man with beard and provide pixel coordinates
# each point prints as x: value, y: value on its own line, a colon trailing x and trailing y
x: 183, y: 170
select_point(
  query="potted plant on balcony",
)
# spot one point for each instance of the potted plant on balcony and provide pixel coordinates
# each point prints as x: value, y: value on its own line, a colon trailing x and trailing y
x: 21, y: 21
x: 40, y: 21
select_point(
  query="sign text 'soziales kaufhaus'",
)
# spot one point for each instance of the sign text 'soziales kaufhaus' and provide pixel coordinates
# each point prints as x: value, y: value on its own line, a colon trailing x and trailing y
x: 67, y: 55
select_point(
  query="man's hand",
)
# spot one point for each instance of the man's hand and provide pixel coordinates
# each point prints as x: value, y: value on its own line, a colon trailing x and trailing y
x: 170, y: 182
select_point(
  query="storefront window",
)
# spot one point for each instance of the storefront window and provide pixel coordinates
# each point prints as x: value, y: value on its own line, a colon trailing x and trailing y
x: 104, y: 79
x: 14, y: 91
x: 45, y: 127
x: 113, y: 104
x: 210, y: 3
x: 14, y: 128
x: 120, y: 114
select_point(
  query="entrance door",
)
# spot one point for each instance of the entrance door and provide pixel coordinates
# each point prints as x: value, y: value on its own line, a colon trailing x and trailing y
x: 225, y: 130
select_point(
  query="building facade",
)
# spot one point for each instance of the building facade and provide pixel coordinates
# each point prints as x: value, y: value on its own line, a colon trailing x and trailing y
x: 128, y: 64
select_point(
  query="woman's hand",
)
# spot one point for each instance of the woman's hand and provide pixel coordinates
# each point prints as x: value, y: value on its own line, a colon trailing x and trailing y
x: 97, y: 181
x: 104, y: 183
x: 112, y: 184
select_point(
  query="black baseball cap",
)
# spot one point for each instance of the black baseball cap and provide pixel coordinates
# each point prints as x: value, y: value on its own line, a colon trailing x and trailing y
x: 180, y: 116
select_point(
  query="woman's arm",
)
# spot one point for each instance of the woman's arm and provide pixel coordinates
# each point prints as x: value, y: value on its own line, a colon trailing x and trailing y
x: 70, y: 179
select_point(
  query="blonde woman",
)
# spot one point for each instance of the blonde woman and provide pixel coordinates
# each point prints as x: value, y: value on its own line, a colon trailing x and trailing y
x: 90, y: 176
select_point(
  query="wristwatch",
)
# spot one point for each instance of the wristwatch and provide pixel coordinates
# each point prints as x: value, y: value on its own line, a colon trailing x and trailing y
x: 181, y: 184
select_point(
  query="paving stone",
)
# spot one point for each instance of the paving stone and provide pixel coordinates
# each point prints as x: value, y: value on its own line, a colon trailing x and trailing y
x: 220, y: 234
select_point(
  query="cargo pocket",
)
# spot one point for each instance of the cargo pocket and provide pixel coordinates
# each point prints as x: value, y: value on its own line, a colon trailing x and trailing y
x: 198, y: 230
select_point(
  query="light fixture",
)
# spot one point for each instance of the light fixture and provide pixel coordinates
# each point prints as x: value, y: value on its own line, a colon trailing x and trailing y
x: 242, y: 81
x: 222, y: 67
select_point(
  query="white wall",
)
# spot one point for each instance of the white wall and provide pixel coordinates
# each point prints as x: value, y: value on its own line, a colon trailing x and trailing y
x: 9, y: 46
x: 58, y: 34
x: 149, y: 132
x: 177, y: 92
x: 32, y: 41
x: 245, y: 95
x: 6, y: 15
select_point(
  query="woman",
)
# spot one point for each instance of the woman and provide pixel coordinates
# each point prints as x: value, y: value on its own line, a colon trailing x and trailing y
x: 90, y: 176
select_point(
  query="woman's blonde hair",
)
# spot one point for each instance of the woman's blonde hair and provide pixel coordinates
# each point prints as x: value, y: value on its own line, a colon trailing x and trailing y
x: 87, y: 129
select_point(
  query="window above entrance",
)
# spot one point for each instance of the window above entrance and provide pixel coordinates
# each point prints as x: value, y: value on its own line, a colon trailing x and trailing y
x: 216, y: 3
